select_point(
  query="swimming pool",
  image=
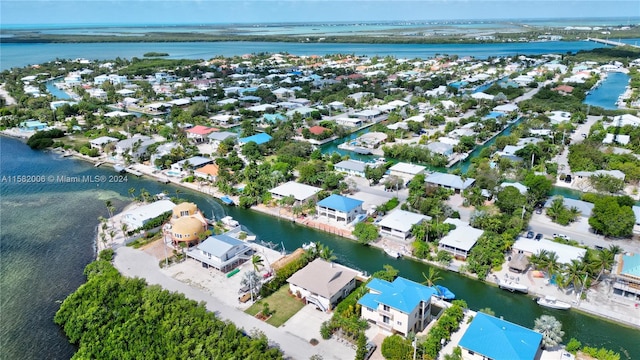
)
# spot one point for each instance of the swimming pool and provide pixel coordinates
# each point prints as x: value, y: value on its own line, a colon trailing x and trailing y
x: 174, y: 173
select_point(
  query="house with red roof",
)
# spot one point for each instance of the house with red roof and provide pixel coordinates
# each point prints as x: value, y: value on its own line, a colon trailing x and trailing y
x: 564, y: 89
x: 199, y: 133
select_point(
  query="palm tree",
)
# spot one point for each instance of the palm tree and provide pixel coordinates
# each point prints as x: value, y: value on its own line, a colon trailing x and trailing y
x: 110, y: 207
x: 124, y: 229
x: 615, y: 249
x: 574, y: 272
x: 132, y: 192
x: 551, y: 330
x: 552, y: 264
x: 257, y: 262
x: 112, y: 234
x: 603, y: 261
x: 326, y: 253
x: 556, y: 208
x: 434, y: 275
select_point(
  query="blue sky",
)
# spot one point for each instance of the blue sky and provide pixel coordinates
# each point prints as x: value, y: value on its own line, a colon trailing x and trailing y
x: 26, y: 12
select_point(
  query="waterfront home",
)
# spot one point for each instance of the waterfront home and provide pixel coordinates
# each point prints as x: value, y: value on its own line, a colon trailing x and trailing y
x: 449, y: 181
x: 100, y: 142
x: 114, y: 79
x: 162, y: 150
x: 300, y: 192
x: 460, y: 240
x: 136, y: 218
x: 440, y: 148
x: 398, y: 223
x: 339, y: 208
x: 208, y: 172
x: 191, y: 163
x: 56, y: 104
x: 506, y: 108
x: 187, y: 224
x: 489, y: 337
x: 221, y: 252
x: 32, y: 125
x: 398, y: 307
x: 351, y: 167
x: 199, y: 133
x: 367, y: 115
x: 322, y: 283
x: 627, y: 276
x: 565, y: 253
x: 272, y: 118
x: 260, y: 138
x: 624, y: 120
x: 135, y: 146
x: 349, y: 122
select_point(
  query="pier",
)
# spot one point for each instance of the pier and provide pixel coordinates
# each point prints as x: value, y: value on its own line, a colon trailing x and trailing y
x: 611, y: 42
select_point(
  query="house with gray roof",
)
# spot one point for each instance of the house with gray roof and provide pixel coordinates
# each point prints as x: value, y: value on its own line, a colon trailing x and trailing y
x: 398, y: 223
x: 101, y: 142
x: 440, y: 148
x: 584, y: 207
x: 351, y: 167
x: 460, y: 240
x: 449, y: 181
x: 323, y: 283
x: 221, y: 252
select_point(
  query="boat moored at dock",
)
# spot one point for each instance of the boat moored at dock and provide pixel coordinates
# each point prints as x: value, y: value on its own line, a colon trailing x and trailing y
x: 553, y: 303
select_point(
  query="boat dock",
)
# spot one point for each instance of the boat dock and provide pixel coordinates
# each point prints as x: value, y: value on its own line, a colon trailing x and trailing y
x: 611, y: 42
x: 133, y: 172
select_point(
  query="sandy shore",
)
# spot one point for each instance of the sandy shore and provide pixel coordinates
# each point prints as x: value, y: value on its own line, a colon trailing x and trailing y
x: 4, y: 94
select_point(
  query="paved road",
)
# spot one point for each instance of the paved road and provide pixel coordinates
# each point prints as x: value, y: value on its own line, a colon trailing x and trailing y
x: 135, y: 263
x: 581, y: 232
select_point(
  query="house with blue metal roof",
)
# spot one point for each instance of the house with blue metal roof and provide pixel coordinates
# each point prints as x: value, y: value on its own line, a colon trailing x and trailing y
x: 627, y: 275
x: 339, y: 208
x: 221, y: 252
x: 259, y: 139
x: 398, y: 307
x: 491, y: 338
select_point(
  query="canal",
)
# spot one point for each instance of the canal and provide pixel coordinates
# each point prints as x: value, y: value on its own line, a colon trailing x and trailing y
x: 520, y: 309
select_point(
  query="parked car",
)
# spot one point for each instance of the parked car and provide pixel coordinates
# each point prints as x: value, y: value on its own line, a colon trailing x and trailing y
x: 561, y: 236
x: 567, y: 179
x: 370, y: 348
x: 530, y: 234
x: 539, y: 236
x: 539, y: 210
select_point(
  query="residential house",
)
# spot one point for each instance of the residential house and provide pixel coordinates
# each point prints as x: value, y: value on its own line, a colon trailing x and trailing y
x: 208, y: 172
x: 224, y: 119
x: 351, y: 167
x: 215, y: 138
x: 623, y: 120
x: 134, y: 146
x: 199, y: 133
x: 398, y: 307
x: 489, y: 337
x: 100, y: 142
x: 440, y: 148
x: 323, y: 283
x: 406, y: 171
x: 565, y: 253
x: 557, y: 117
x: 398, y: 223
x: 627, y: 276
x: 260, y: 138
x: 221, y: 252
x: 32, y: 125
x: 300, y: 192
x: 339, y: 208
x: 460, y: 240
x: 136, y: 218
x: 584, y: 207
x: 616, y: 138
x: 449, y: 181
x: 191, y: 163
x: 187, y: 224
x: 521, y: 188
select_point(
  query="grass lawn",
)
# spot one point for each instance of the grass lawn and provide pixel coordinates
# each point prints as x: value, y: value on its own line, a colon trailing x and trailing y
x: 281, y: 304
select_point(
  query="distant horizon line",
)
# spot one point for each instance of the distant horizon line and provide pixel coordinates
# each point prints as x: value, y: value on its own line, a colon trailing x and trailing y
x: 10, y: 26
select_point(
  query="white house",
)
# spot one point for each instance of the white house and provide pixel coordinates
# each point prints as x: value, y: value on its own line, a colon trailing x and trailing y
x: 460, y: 240
x: 351, y: 167
x: 221, y: 252
x: 399, y: 222
x: 323, y: 283
x: 100, y: 142
x: 300, y: 192
x: 339, y: 208
x: 406, y: 171
x: 136, y: 218
x: 565, y: 253
x: 401, y: 306
x: 449, y: 181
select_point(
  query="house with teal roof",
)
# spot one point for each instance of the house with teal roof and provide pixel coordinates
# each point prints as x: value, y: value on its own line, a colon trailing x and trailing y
x: 272, y: 118
x: 627, y: 276
x: 260, y: 138
x: 397, y: 307
x: 339, y: 208
x: 488, y: 337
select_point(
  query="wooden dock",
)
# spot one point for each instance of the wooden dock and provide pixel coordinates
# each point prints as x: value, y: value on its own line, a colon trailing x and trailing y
x: 133, y: 172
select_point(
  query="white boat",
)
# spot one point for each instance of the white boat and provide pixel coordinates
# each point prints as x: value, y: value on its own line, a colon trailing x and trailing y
x: 228, y: 220
x: 392, y: 253
x: 551, y: 302
x: 512, y: 286
x: 119, y: 168
x: 308, y: 246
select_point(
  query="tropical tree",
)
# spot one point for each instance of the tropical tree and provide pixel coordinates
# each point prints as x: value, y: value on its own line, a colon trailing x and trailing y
x: 431, y: 277
x: 110, y: 208
x: 574, y: 273
x: 365, y: 232
x: 257, y: 262
x: 124, y: 227
x: 555, y: 210
x: 326, y: 253
x: 601, y: 262
x: 251, y: 280
x: 551, y: 330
